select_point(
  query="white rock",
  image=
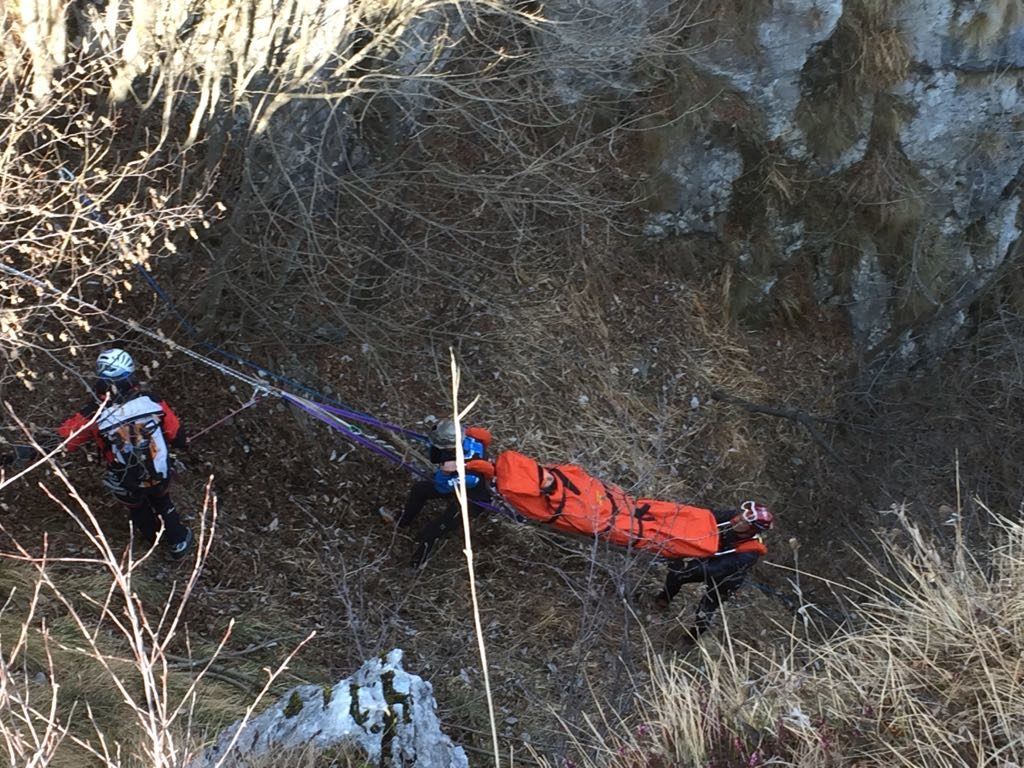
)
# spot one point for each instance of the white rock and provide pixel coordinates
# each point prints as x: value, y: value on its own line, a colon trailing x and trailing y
x: 382, y: 709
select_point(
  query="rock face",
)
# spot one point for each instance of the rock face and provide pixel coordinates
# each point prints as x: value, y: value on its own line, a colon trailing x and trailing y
x: 381, y: 709
x: 888, y: 134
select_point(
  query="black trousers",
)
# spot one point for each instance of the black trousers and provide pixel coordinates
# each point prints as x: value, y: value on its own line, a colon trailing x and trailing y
x: 150, y: 508
x: 423, y: 491
x: 721, y: 576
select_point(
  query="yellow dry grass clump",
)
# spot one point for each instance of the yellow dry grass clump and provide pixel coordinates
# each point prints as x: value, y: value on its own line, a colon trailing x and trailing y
x: 928, y: 673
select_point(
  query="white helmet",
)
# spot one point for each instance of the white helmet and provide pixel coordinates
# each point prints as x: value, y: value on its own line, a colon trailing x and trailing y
x: 444, y: 435
x: 114, y: 365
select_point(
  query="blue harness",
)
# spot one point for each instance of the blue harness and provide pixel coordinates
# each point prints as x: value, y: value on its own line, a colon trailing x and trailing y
x: 447, y: 482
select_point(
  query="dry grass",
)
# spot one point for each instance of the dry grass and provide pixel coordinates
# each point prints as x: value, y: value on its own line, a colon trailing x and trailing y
x: 500, y: 228
x: 864, y: 57
x: 990, y: 23
x: 930, y: 675
x: 99, y: 665
x: 886, y: 193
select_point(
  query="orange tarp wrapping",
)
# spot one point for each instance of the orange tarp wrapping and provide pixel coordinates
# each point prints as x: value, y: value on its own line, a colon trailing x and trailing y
x: 582, y: 504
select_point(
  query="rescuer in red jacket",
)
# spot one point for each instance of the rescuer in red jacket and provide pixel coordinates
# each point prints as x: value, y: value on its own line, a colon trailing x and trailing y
x: 739, y: 549
x: 134, y: 434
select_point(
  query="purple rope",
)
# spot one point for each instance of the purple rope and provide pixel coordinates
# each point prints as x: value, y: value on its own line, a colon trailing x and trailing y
x: 493, y: 508
x: 380, y: 451
x: 371, y: 421
x: 359, y: 439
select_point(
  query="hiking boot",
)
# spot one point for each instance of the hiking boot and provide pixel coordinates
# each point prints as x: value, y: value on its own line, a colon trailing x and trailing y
x: 181, y: 549
x: 423, y: 550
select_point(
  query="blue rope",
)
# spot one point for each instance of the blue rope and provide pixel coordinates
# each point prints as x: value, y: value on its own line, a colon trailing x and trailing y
x: 260, y: 370
x: 93, y: 212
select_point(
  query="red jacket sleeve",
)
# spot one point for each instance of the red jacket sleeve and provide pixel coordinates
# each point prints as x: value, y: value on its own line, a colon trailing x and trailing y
x: 171, y: 426
x: 481, y: 467
x: 73, y: 424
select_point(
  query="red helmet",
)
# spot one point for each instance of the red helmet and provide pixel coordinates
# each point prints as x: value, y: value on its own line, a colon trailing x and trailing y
x: 757, y: 515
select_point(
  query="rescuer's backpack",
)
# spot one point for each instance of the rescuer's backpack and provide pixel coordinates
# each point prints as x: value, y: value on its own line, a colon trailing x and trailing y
x: 138, y: 451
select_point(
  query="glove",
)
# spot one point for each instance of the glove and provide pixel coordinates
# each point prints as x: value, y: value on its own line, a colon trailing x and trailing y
x: 481, y: 467
x: 12, y: 454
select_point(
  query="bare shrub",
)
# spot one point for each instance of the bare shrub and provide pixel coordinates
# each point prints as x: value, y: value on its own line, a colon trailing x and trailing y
x: 928, y: 677
x: 86, y: 196
x: 214, y: 57
x: 92, y: 673
x: 473, y: 175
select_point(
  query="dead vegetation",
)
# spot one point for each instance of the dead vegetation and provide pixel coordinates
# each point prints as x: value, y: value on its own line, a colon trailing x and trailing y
x: 989, y: 22
x: 928, y: 677
x: 865, y: 55
x: 503, y: 227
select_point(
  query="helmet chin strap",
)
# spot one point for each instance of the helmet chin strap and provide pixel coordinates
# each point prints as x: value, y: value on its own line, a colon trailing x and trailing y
x: 118, y: 389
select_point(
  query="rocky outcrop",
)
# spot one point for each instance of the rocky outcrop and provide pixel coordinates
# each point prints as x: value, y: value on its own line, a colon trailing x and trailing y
x: 382, y: 710
x: 893, y: 128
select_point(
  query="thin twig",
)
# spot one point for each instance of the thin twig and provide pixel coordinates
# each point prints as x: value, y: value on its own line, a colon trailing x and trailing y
x: 460, y: 458
x: 801, y: 417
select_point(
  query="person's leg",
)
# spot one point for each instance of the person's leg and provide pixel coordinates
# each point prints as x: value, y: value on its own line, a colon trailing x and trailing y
x: 430, y: 534
x: 718, y: 591
x: 681, y: 571
x: 481, y: 493
x: 143, y: 522
x: 177, y: 536
x: 420, y: 493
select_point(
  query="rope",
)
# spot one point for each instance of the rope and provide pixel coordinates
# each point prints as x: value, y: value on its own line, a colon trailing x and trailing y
x: 371, y: 421
x: 327, y: 415
x: 256, y: 397
x: 317, y: 410
x: 93, y: 212
x: 356, y: 435
x: 66, y: 299
x: 336, y: 415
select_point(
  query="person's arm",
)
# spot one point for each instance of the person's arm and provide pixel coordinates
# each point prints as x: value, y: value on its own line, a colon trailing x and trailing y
x: 684, y: 571
x: 78, y: 423
x: 724, y: 515
x: 172, y: 428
